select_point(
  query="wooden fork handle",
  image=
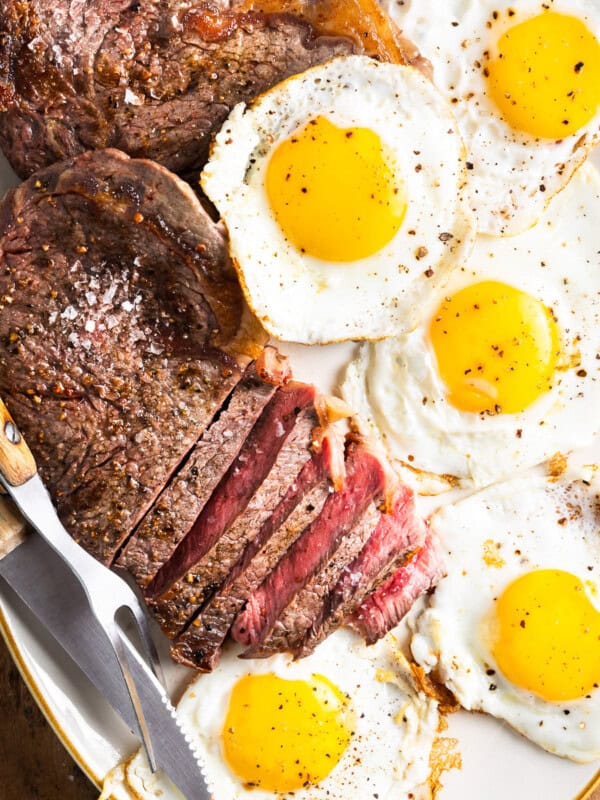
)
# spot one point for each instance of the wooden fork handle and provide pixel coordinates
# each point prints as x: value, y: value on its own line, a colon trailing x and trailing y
x: 17, y: 464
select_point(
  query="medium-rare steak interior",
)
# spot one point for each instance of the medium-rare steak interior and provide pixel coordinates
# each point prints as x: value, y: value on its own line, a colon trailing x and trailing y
x: 173, y: 441
x: 153, y: 79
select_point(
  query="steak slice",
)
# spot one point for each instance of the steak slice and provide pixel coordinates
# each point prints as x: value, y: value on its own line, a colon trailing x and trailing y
x: 295, y: 433
x: 200, y: 645
x: 181, y: 502
x: 121, y: 334
x: 292, y: 624
x: 365, y: 479
x: 398, y: 535
x: 383, y: 609
x: 153, y: 79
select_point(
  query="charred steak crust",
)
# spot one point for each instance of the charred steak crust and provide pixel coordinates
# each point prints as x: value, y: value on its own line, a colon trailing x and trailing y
x: 278, y: 444
x: 153, y: 79
x: 181, y: 502
x: 115, y: 308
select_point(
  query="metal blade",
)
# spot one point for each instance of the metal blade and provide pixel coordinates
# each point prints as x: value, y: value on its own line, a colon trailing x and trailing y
x: 166, y: 731
x: 43, y: 582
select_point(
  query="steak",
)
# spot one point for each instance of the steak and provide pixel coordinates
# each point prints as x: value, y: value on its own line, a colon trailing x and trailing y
x: 383, y: 609
x: 239, y: 483
x: 282, y: 447
x: 200, y: 645
x: 180, y: 504
x: 122, y: 333
x: 152, y: 79
x: 314, y: 548
x: 397, y: 536
x: 292, y: 624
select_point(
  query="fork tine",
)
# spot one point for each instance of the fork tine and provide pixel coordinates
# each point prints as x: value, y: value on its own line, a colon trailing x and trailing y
x: 116, y: 640
x: 140, y: 617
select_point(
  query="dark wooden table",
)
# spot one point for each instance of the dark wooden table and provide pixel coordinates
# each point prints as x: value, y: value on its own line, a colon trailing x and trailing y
x: 33, y: 763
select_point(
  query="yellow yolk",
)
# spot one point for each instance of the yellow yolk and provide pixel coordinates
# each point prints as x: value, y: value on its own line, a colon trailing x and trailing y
x: 333, y: 192
x: 547, y: 637
x: 281, y: 735
x: 496, y: 348
x: 545, y: 75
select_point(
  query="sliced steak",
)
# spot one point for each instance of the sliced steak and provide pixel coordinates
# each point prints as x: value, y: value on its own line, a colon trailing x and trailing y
x: 153, y: 79
x: 398, y: 535
x: 118, y: 334
x: 386, y: 606
x: 292, y: 624
x: 200, y: 645
x: 365, y: 479
x: 175, y: 607
x: 180, y: 504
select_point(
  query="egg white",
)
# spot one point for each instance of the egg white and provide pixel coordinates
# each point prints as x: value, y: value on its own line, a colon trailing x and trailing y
x: 304, y: 299
x: 519, y: 521
x: 514, y: 174
x: 395, y: 387
x: 395, y: 725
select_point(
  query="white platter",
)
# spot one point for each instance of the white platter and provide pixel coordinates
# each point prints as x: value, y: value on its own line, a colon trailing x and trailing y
x: 497, y: 763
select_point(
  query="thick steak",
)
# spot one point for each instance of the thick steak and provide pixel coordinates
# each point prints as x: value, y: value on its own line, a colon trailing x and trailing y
x: 200, y: 645
x: 153, y: 79
x: 119, y: 334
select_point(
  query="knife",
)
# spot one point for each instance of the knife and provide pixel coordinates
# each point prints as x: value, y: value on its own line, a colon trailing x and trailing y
x: 84, y: 612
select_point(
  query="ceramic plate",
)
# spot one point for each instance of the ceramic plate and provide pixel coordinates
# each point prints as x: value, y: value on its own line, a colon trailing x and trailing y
x: 497, y: 763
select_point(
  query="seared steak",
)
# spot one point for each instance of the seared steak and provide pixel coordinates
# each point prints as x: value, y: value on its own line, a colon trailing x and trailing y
x: 239, y: 483
x: 282, y: 448
x: 153, y: 79
x: 119, y: 334
x: 154, y: 411
x: 200, y: 645
x: 180, y: 504
x: 384, y: 608
x: 397, y: 536
x: 314, y: 548
x: 292, y: 624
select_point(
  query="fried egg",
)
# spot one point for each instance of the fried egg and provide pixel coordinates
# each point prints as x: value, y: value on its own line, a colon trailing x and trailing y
x: 503, y: 370
x: 348, y: 721
x: 514, y: 627
x: 341, y: 190
x: 524, y: 82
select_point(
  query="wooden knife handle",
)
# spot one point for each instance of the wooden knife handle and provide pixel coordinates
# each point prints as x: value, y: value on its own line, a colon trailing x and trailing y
x: 17, y: 464
x: 13, y: 529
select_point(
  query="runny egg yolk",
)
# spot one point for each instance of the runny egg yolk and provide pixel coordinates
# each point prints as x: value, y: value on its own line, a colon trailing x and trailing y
x: 547, y: 635
x: 334, y: 192
x: 496, y: 348
x: 280, y: 735
x: 545, y: 75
